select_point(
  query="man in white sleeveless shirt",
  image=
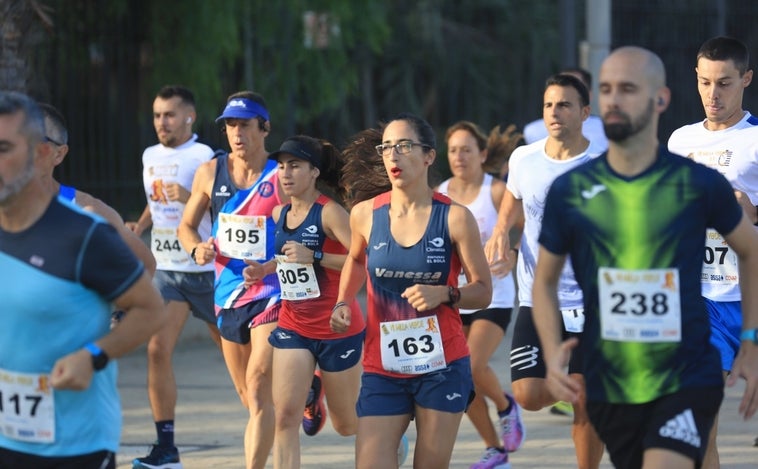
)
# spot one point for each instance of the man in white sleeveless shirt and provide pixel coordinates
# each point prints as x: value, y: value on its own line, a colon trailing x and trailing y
x: 168, y: 170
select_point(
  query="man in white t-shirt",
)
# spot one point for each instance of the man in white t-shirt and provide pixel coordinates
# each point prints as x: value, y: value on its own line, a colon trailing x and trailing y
x: 727, y: 140
x: 531, y: 171
x: 168, y: 170
x: 592, y: 127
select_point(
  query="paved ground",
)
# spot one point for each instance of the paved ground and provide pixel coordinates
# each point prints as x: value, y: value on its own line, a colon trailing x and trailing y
x: 210, y: 420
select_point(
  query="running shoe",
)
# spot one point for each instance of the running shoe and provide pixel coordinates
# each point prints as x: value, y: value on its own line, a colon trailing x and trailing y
x: 402, y: 450
x: 160, y: 457
x: 314, y: 415
x: 562, y: 408
x: 493, y: 458
x: 512, y: 429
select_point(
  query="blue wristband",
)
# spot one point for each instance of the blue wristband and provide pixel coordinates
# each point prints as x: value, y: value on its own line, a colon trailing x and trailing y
x: 751, y: 335
x: 93, y: 349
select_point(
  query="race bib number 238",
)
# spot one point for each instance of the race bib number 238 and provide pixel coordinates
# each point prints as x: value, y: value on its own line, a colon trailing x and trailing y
x: 640, y: 305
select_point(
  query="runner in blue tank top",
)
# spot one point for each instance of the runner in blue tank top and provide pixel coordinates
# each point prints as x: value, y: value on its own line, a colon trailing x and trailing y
x: 240, y: 189
x: 411, y: 243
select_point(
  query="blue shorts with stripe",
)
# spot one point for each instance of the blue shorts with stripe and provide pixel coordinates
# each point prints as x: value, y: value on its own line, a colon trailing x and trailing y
x: 331, y: 355
x: 450, y: 389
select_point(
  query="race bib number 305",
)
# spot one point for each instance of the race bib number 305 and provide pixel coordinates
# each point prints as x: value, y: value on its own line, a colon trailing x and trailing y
x: 27, y: 409
x: 640, y: 305
x: 412, y: 346
x: 297, y: 281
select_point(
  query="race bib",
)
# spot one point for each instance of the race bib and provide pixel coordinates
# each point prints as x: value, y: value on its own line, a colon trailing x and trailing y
x: 412, y: 346
x: 241, y: 236
x: 720, y: 265
x: 297, y: 281
x: 27, y: 408
x: 640, y: 305
x: 166, y: 248
x: 573, y: 319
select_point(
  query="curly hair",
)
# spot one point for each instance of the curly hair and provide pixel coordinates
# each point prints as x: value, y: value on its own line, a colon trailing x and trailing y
x: 500, y: 145
x: 363, y: 174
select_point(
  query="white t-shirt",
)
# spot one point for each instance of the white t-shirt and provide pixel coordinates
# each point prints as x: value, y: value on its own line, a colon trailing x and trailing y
x: 530, y: 174
x: 734, y: 153
x: 485, y: 213
x: 592, y: 129
x: 161, y: 165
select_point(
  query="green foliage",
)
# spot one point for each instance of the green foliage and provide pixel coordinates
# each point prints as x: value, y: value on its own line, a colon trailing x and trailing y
x: 193, y: 42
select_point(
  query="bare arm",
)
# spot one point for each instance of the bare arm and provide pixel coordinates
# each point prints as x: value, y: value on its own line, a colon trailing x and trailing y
x: 744, y: 241
x: 509, y: 215
x: 353, y: 272
x: 144, y: 222
x: 547, y: 319
x: 198, y: 204
x: 336, y: 222
x: 135, y: 243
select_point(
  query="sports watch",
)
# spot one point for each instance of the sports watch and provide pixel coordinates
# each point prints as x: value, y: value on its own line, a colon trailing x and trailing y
x: 318, y: 256
x: 751, y: 335
x: 99, y: 357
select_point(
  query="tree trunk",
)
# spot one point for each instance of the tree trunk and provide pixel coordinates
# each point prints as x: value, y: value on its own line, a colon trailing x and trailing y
x: 15, y: 17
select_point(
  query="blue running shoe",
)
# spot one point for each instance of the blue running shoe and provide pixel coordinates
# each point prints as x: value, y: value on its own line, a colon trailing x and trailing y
x: 314, y: 415
x: 159, y: 458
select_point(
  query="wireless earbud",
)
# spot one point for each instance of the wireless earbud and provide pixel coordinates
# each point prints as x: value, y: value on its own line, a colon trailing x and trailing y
x: 660, y: 101
x: 189, y: 120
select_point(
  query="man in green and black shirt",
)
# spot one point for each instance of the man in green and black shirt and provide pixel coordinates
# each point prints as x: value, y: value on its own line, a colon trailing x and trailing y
x: 633, y: 222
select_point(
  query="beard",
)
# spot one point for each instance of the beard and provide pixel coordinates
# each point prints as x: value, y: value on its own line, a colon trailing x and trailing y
x: 620, y: 131
x: 10, y: 189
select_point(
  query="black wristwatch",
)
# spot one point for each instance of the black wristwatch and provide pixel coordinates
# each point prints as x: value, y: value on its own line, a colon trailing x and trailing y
x: 192, y: 254
x: 454, y: 295
x: 318, y: 256
x: 99, y: 357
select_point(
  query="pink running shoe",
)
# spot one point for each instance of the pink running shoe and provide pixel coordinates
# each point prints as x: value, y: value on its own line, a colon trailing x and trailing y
x: 493, y: 458
x: 511, y: 427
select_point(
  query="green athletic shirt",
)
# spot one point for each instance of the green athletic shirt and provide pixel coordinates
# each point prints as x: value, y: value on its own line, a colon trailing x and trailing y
x: 636, y: 247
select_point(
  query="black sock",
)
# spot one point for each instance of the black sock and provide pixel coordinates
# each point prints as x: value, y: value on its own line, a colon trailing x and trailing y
x: 504, y: 412
x: 165, y: 430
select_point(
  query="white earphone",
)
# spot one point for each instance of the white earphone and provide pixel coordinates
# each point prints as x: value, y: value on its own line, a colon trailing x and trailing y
x: 189, y: 120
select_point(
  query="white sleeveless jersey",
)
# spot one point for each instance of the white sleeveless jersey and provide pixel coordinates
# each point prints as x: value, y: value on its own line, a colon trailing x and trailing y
x: 530, y: 174
x: 485, y: 213
x: 734, y: 153
x: 163, y: 165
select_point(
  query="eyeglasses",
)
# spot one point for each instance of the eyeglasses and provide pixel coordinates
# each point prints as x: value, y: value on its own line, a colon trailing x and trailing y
x: 54, y: 142
x: 402, y: 148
